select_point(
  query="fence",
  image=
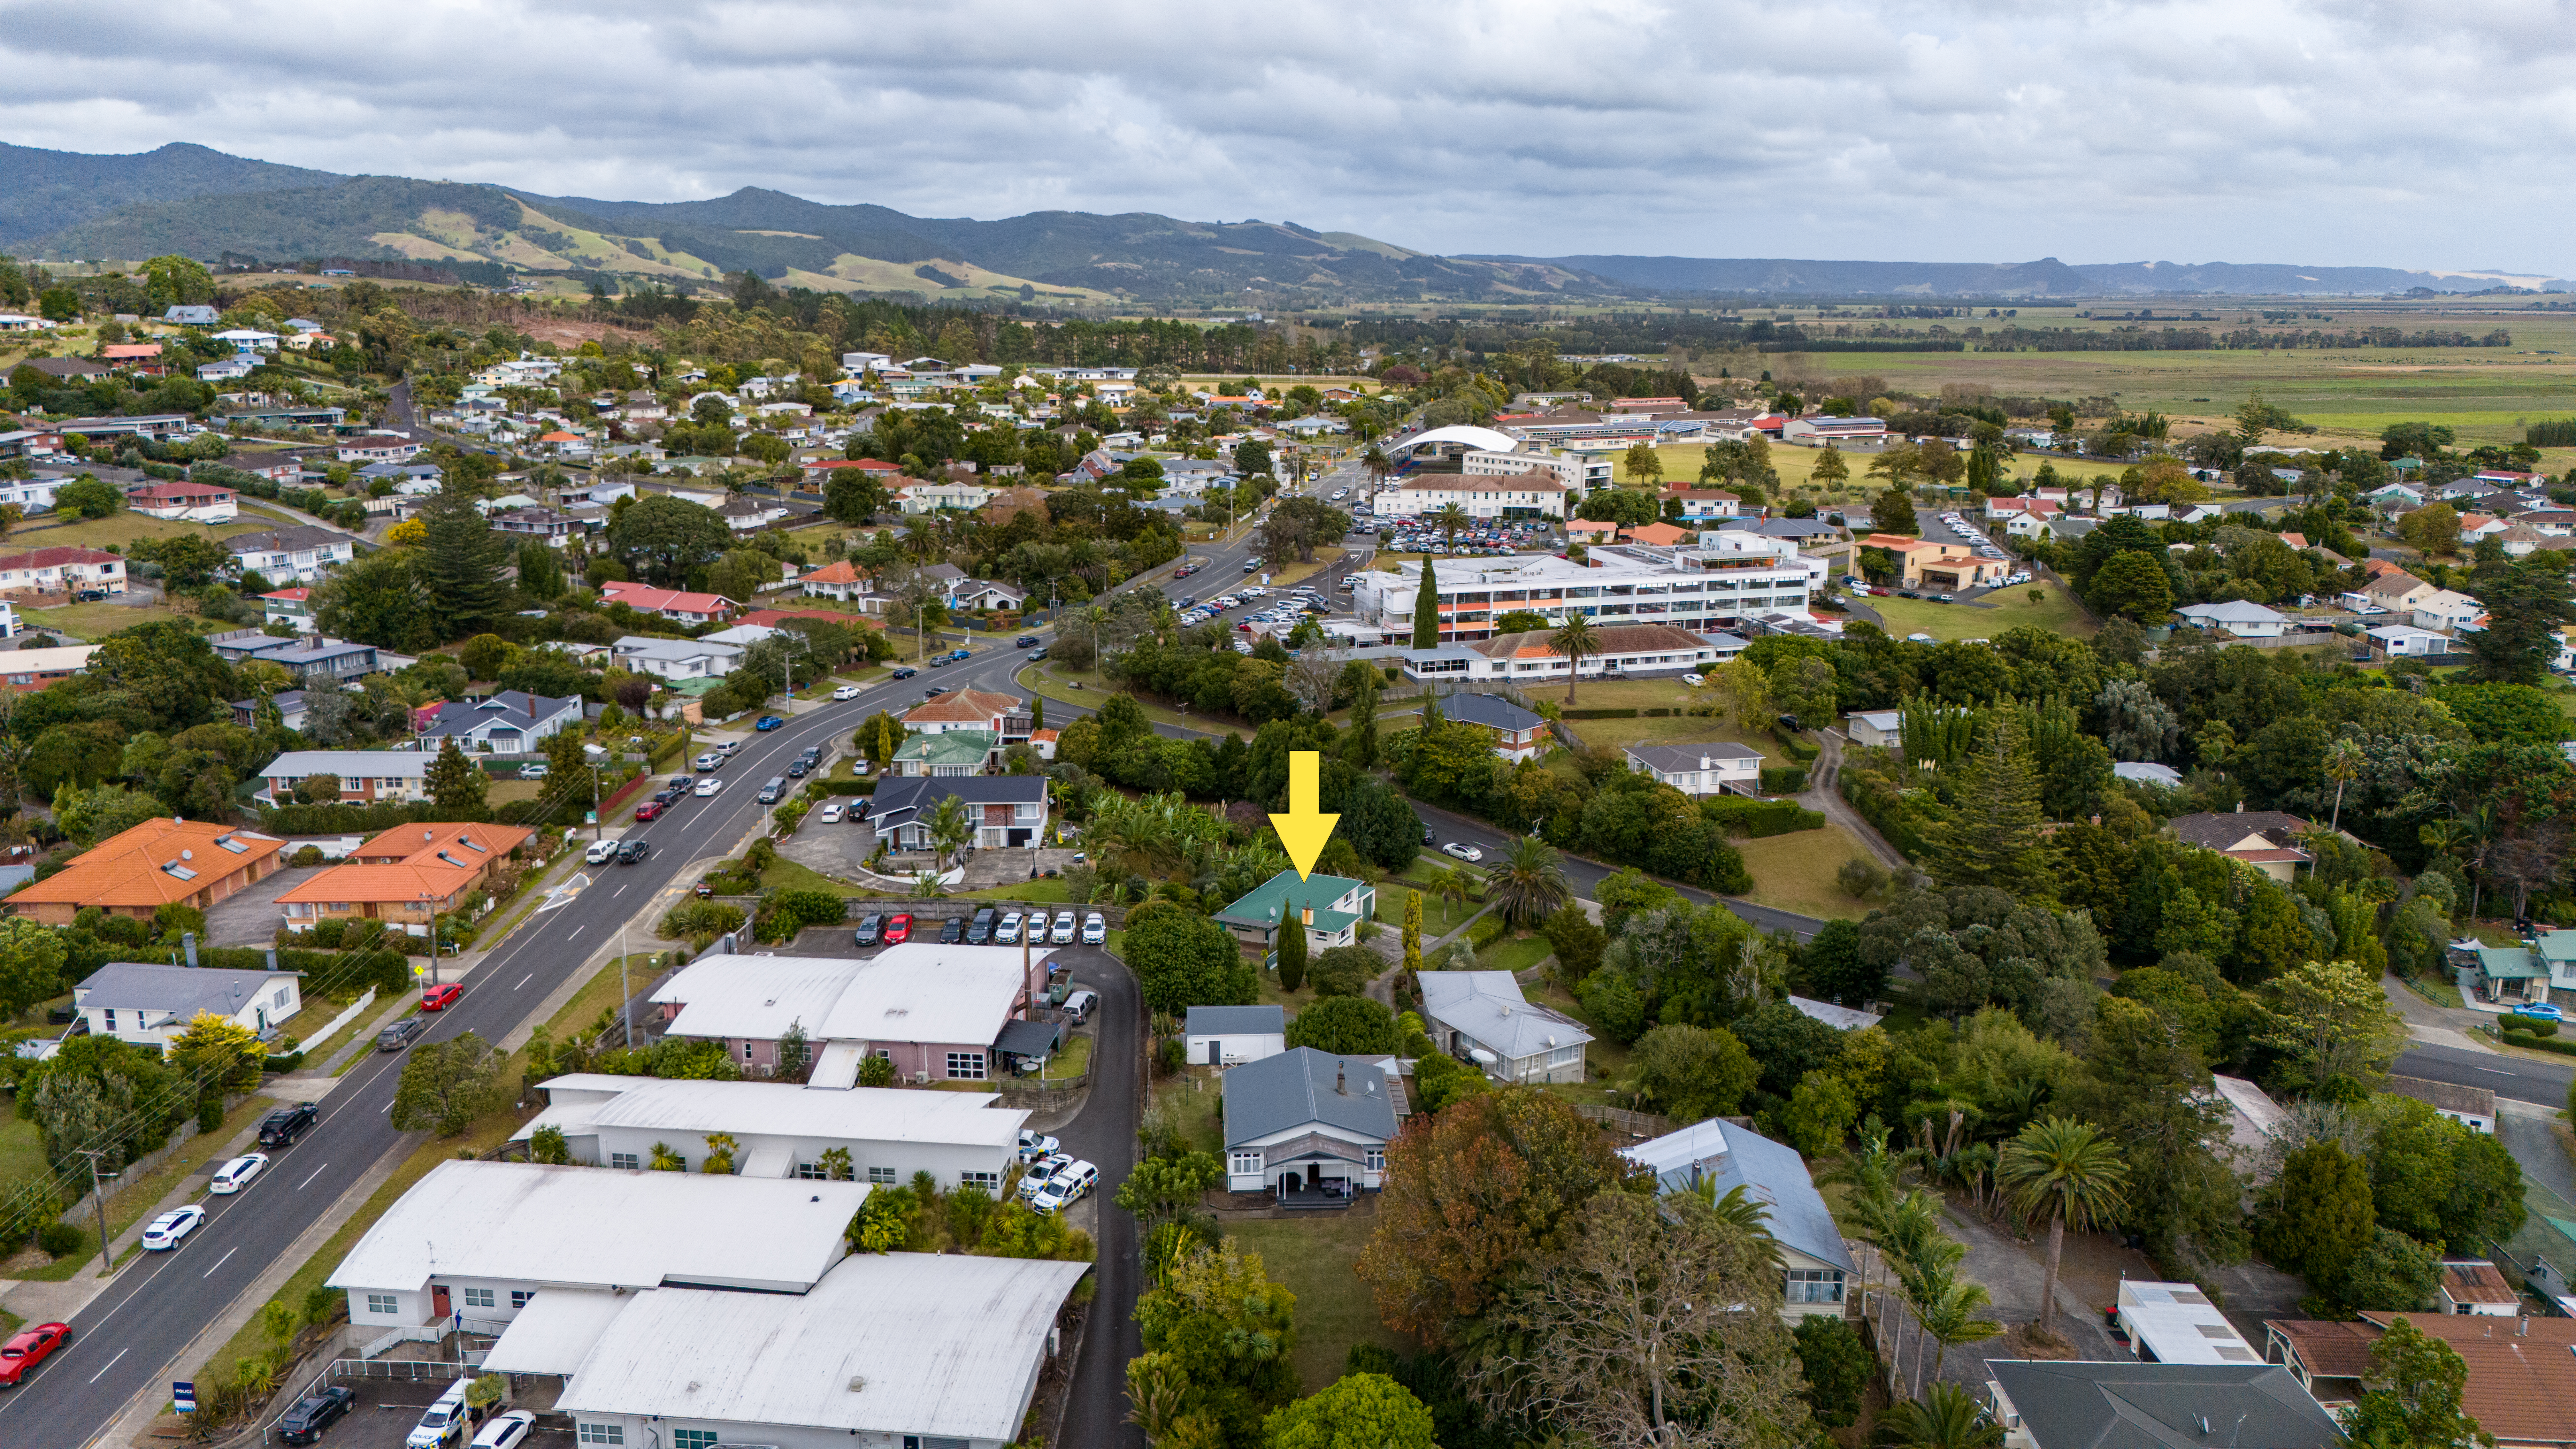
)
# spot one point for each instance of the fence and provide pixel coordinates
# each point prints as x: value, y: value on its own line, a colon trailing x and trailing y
x: 1636, y: 1125
x: 399, y: 1369
x: 414, y: 1333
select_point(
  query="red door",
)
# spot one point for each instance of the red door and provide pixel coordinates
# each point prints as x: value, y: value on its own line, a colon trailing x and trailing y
x: 438, y: 1299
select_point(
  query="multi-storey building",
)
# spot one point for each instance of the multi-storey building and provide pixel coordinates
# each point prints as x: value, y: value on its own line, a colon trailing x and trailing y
x: 1721, y: 580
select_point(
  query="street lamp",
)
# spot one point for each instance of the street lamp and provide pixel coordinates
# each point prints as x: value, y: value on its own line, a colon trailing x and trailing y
x: 429, y: 903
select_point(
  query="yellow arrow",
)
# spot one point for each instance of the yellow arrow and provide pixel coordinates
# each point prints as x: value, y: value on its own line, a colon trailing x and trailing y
x: 1303, y: 829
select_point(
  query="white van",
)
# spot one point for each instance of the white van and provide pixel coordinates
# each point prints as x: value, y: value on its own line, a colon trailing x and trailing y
x: 443, y: 1423
x: 1080, y: 1005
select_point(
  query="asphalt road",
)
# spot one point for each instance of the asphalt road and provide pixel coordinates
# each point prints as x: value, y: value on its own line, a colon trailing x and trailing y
x: 2520, y: 1078
x: 128, y: 1340
x: 1105, y: 1134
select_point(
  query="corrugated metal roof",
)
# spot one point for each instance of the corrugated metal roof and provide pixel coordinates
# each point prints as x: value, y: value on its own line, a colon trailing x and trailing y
x: 1297, y: 1087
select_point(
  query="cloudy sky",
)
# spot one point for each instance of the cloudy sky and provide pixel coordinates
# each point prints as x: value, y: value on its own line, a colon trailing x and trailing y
x: 2398, y: 134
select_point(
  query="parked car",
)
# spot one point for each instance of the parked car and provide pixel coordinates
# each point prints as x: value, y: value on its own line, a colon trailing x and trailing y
x: 29, y: 1348
x: 1034, y: 1145
x: 1038, y: 653
x: 599, y: 852
x: 398, y: 1035
x: 846, y: 692
x: 906, y: 672
x: 960, y: 656
x: 979, y: 932
x: 506, y: 1431
x: 304, y: 1423
x: 1043, y: 1171
x: 830, y: 814
x: 1080, y: 1005
x: 650, y: 810
x: 871, y: 929
x: 443, y: 1423
x: 1462, y: 851
x: 709, y: 786
x: 708, y: 761
x: 439, y: 998
x: 235, y: 1175
x: 2541, y: 1011
x: 632, y: 851
x: 768, y: 722
x: 898, y: 929
x: 1065, y: 1187
x: 796, y: 769
x: 952, y: 930
x: 281, y: 1127
x: 1094, y: 929
x: 1061, y: 933
x: 1008, y: 932
x: 535, y: 771
x: 168, y: 1230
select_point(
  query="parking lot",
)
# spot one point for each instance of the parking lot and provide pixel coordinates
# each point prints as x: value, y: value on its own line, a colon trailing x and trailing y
x: 387, y: 1410
x: 249, y: 916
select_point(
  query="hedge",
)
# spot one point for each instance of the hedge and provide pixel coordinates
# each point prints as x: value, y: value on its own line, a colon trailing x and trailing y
x: 863, y: 786
x: 344, y: 819
x: 286, y: 1063
x: 1757, y: 819
x: 1783, y: 779
x: 1489, y: 928
x: 2529, y: 1042
x: 1600, y: 714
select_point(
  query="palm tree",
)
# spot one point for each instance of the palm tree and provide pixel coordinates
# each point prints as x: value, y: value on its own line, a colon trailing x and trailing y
x: 950, y: 829
x: 1574, y: 639
x: 1451, y: 520
x: 1529, y: 881
x: 1740, y: 1209
x: 1947, y: 1305
x: 2069, y: 1171
x: 1949, y: 1418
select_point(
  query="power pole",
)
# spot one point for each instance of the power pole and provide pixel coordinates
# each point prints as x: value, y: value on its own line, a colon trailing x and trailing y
x: 98, y: 1197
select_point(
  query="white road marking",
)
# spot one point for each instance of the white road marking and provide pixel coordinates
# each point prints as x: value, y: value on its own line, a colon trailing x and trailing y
x: 219, y: 1262
x: 103, y: 1368
x: 621, y: 890
x: 308, y: 1182
x: 2499, y: 1072
x: 524, y: 980
x: 575, y: 931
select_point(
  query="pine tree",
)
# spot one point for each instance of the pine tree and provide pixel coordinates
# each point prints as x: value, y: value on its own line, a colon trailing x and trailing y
x: 457, y: 785
x: 1426, y: 610
x: 459, y: 564
x: 1359, y: 744
x: 1037, y: 713
x: 1292, y: 951
x: 1992, y: 837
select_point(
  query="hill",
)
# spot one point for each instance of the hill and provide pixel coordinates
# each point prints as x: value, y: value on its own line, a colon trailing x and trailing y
x: 43, y: 192
x: 2047, y: 277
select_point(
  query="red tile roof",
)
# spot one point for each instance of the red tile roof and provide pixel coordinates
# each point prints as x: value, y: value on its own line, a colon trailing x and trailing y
x: 134, y: 867
x: 175, y: 488
x: 52, y: 558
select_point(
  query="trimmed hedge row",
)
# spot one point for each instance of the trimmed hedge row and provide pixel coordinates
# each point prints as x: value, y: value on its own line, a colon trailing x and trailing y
x: 1757, y: 819
x: 2540, y: 1043
x: 1783, y: 779
x: 1600, y: 714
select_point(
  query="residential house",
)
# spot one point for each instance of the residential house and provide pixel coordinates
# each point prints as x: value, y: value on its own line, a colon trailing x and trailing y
x: 248, y: 339
x: 1481, y: 1017
x: 557, y: 529
x: 978, y: 595
x: 406, y: 877
x: 1816, y: 1264
x: 2238, y: 617
x: 1876, y: 729
x: 23, y: 670
x: 2521, y: 1383
x: 511, y: 722
x: 192, y: 315
x: 227, y: 370
x: 839, y: 580
x: 1924, y: 563
x: 180, y: 500
x: 365, y: 776
x: 947, y: 494
x: 1710, y: 769
x: 1001, y: 715
x: 1518, y: 733
x: 937, y: 1011
x: 2405, y: 641
x: 687, y: 608
x: 676, y: 659
x: 70, y: 371
x: 160, y: 862
x: 949, y: 754
x: 821, y: 470
x: 151, y: 1005
x: 2477, y: 1289
x: 745, y: 514
x: 2391, y: 589
x: 2176, y: 1323
x: 1703, y: 507
x: 312, y: 658
x: 1329, y: 907
x: 2026, y: 524
x: 783, y: 1129
x: 1306, y: 1121
x: 2513, y: 974
x: 2448, y: 611
x: 289, y: 704
x: 2057, y: 1404
x: 2471, y: 1107
x: 302, y: 552
x: 1004, y: 811
x: 2264, y: 839
x: 1229, y: 1036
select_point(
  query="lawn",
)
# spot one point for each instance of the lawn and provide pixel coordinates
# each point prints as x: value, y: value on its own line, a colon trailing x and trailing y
x: 1439, y: 917
x: 1795, y: 872
x: 97, y: 621
x: 785, y: 874
x: 122, y: 528
x: 22, y: 1149
x: 1071, y: 1062
x: 1087, y: 688
x: 1515, y: 954
x: 1049, y: 889
x: 2055, y: 612
x: 1315, y: 1256
x: 1605, y: 1061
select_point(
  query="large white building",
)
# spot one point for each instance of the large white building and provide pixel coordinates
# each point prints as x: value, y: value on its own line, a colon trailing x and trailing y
x: 937, y: 1011
x: 1529, y: 491
x: 1724, y: 578
x: 784, y: 1130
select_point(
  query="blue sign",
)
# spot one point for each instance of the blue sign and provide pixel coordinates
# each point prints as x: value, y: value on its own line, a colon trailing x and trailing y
x: 183, y: 1396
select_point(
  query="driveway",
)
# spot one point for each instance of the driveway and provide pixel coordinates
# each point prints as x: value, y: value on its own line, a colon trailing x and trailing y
x: 1105, y: 1133
x: 1824, y: 795
x: 249, y: 917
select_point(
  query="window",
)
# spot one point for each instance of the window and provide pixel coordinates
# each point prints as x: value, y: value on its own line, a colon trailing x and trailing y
x: 601, y: 1433
x: 989, y: 1181
x: 880, y: 1176
x: 1815, y: 1285
x: 383, y: 1303
x: 1247, y: 1163
x: 810, y: 1172
x: 693, y: 1439
x: 519, y: 1297
x: 111, y: 1018
x: 966, y: 1064
x: 746, y: 1051
x: 625, y: 1159
x: 478, y: 1297
x: 1377, y: 1159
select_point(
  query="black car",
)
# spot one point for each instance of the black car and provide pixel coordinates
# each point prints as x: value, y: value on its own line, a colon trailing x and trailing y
x: 281, y: 1127
x: 871, y: 929
x: 305, y: 1422
x: 934, y: 691
x: 812, y: 753
x: 953, y: 932
x: 1427, y: 837
x: 398, y: 1035
x: 633, y: 850
x: 906, y: 673
x: 798, y: 767
x: 1025, y: 641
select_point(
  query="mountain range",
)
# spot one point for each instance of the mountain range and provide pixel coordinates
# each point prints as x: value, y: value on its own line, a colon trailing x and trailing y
x: 199, y: 202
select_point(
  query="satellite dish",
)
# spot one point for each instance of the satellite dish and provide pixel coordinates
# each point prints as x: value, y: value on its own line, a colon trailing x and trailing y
x: 1482, y: 1057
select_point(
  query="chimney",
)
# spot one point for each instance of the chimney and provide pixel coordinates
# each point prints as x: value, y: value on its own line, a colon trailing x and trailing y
x: 188, y: 943
x: 1310, y: 915
x: 1341, y: 1078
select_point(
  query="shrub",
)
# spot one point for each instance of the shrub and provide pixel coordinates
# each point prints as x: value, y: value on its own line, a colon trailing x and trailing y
x: 1783, y: 779
x: 1756, y: 819
x: 1600, y: 714
x: 331, y: 935
x: 876, y: 1071
x: 1344, y: 970
x: 1488, y: 929
x: 694, y: 919
x: 286, y: 1063
x: 210, y: 1114
x: 2528, y: 1042
x: 787, y: 912
x: 310, y: 855
x: 59, y: 1238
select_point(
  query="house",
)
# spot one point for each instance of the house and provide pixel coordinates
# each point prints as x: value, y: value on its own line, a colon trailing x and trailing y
x: 821, y: 470
x: 365, y: 776
x: 140, y: 869
x: 404, y: 877
x: 248, y: 339
x: 947, y: 495
x: 2237, y: 617
x: 2392, y: 589
x: 300, y: 551
x: 910, y: 1349
x: 985, y: 594
x: 61, y: 570
x: 2511, y: 974
x: 192, y: 316
x: 949, y: 754
x: 1701, y: 506
x: 293, y: 607
x: 1817, y: 1265
x: 838, y: 579
x: 1004, y: 811
x: 510, y: 722
x: 993, y: 713
x: 1229, y: 1036
x: 1876, y: 729
x: 2405, y: 641
x: 2521, y: 1385
x: 1518, y: 733
x: 2471, y: 1107
x: 1711, y: 769
x: 2449, y: 611
x: 1329, y: 906
x: 555, y: 528
x: 937, y: 1011
x: 2044, y: 1404
x: 235, y: 366
x: 2477, y: 1289
x: 311, y: 658
x: 1625, y: 649
x: 1923, y: 563
x: 1832, y: 432
x: 289, y: 704
x: 1481, y: 1017
x: 1307, y: 1121
x: 676, y: 659
x: 150, y: 1005
x: 745, y: 514
x: 70, y: 371
x: 29, y: 669
x: 2176, y: 1323
x: 783, y: 1129
x: 2264, y: 839
x: 685, y: 607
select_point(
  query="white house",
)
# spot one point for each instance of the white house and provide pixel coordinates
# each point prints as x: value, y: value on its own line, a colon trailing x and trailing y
x: 1481, y: 1017
x: 1875, y: 729
x: 365, y: 776
x: 1812, y: 1255
x: 2471, y: 1107
x: 149, y: 1005
x: 2407, y: 641
x: 1711, y: 769
x: 512, y: 721
x: 677, y: 658
x: 1308, y: 1121
x: 1519, y: 734
x: 1329, y: 906
x: 783, y: 1129
x: 2239, y: 617
x: 1229, y: 1036
x: 2449, y: 611
x: 301, y: 552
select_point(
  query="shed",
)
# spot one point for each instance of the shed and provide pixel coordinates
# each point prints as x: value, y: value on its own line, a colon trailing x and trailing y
x: 1227, y: 1036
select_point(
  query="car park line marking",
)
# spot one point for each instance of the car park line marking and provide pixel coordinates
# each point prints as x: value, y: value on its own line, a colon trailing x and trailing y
x: 103, y: 1368
x: 219, y: 1262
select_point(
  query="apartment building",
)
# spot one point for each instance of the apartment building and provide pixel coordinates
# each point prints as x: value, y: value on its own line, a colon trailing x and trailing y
x: 1713, y: 584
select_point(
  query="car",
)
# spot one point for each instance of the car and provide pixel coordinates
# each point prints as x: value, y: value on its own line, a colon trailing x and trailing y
x: 92, y: 596
x: 1064, y: 1188
x: 1008, y: 932
x: 1693, y: 680
x: 898, y: 929
x: 651, y: 810
x: 632, y: 851
x: 729, y: 748
x: 532, y: 772
x: 2541, y: 1011
x: 281, y: 1127
x: 443, y: 1423
x: 1946, y: 598
x: 506, y: 1431
x: 1038, y: 653
x: 1043, y: 1171
x: 29, y: 1347
x: 708, y: 761
x: 304, y: 1423
x: 979, y: 932
x: 1094, y: 929
x: 934, y: 691
x: 235, y: 1175
x: 952, y: 930
x: 439, y: 998
x: 846, y: 692
x: 906, y: 672
x: 1061, y: 933
x: 830, y: 814
x: 1252, y: 565
x: 871, y: 929
x: 1463, y: 852
x: 768, y: 722
x: 797, y: 769
x: 166, y: 1232
x: 1034, y: 1145
x: 1025, y: 641
x: 709, y: 786
x: 599, y: 852
x: 398, y: 1035
x: 671, y: 794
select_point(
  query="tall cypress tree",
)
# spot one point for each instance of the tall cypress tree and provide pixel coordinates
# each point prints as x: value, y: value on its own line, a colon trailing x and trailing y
x: 458, y: 785
x: 1292, y: 949
x: 1426, y: 610
x: 459, y: 563
x: 1993, y: 835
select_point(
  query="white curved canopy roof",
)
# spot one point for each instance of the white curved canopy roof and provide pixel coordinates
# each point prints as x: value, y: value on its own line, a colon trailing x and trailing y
x: 1482, y: 440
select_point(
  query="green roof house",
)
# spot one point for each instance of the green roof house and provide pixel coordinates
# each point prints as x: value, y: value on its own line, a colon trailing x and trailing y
x: 2517, y: 973
x: 956, y: 752
x: 1330, y: 906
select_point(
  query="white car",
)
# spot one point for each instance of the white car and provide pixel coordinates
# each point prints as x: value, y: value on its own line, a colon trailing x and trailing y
x: 166, y: 1230
x: 1042, y: 1172
x: 235, y: 1175
x: 846, y: 691
x: 1007, y: 933
x: 1463, y: 852
x: 831, y: 813
x: 1034, y: 1145
x: 1061, y: 933
x: 1255, y: 592
x: 1095, y: 929
x: 1062, y: 1190
x: 709, y: 786
x: 601, y: 851
x: 1693, y: 680
x: 707, y: 761
x: 508, y: 1431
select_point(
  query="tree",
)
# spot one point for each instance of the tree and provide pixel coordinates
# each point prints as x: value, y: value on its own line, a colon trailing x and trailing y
x: 2433, y: 530
x: 951, y: 829
x: 31, y: 964
x: 189, y: 561
x: 377, y: 598
x: 1993, y: 836
x: 1659, y: 1325
x: 666, y: 537
x: 1831, y: 471
x: 1357, y: 1411
x: 459, y: 561
x: 1949, y: 1417
x: 1292, y: 955
x: 2411, y: 1398
x: 1528, y: 882
x: 2333, y: 1023
x: 1452, y: 521
x: 1578, y: 943
x: 458, y: 784
x: 2526, y: 607
x: 1893, y: 512
x: 1426, y: 610
x: 446, y: 1085
x: 1575, y: 641
x: 1836, y: 1365
x: 221, y: 1054
x: 1413, y: 933
x: 2065, y: 1171
x: 1161, y: 1189
x: 1183, y: 960
x: 1691, y: 1072
x: 550, y: 1146
x: 2321, y: 1216
x: 1833, y: 967
x: 1228, y: 1330
x: 1346, y: 1026
x: 88, y: 497
x: 2133, y: 585
x: 1643, y: 463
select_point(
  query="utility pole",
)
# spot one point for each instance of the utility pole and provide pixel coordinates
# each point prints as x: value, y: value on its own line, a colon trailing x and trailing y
x: 98, y: 1197
x: 432, y: 902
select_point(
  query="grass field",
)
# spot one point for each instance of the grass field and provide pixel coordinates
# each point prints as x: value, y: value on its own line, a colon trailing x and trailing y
x: 22, y: 1149
x: 2055, y: 612
x: 785, y: 874
x: 123, y: 528
x: 97, y: 621
x: 1315, y: 1256
x: 1795, y: 872
x: 1515, y: 953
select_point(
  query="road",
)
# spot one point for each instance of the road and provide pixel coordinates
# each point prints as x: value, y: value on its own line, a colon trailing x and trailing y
x: 2521, y: 1078
x: 127, y: 1340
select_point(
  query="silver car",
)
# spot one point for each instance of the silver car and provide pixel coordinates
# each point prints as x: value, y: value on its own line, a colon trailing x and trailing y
x: 1061, y: 934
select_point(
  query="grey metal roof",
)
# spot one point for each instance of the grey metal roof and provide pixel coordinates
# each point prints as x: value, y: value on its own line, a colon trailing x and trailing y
x: 284, y: 540
x: 511, y: 708
x: 1671, y: 759
x: 1028, y: 1038
x: 1236, y: 1020
x: 1296, y: 1087
x: 1489, y: 709
x: 1488, y: 1006
x: 2162, y: 1405
x: 896, y: 801
x: 1771, y: 1174
x: 180, y: 990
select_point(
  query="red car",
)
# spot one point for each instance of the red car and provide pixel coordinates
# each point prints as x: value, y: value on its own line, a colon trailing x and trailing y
x: 898, y: 928
x: 29, y: 1349
x: 439, y: 998
x: 650, y: 810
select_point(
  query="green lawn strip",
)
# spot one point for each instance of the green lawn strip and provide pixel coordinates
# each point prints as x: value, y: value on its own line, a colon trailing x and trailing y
x: 1439, y: 917
x: 319, y: 1052
x: 1044, y: 679
x: 1050, y: 889
x: 96, y: 621
x: 141, y: 1195
x: 1795, y: 872
x: 1517, y: 954
x: 1071, y: 1062
x: 1315, y: 1256
x: 22, y: 1149
x: 1197, y: 1109
x: 785, y: 874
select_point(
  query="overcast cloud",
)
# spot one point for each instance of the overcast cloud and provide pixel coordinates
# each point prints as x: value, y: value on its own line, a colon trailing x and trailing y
x: 2353, y: 134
